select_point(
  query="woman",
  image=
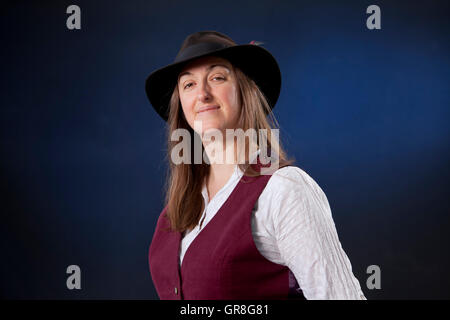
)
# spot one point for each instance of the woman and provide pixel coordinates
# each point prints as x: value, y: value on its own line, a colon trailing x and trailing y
x: 229, y: 229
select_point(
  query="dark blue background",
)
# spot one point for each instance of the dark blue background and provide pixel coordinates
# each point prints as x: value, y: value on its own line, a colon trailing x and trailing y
x: 364, y: 112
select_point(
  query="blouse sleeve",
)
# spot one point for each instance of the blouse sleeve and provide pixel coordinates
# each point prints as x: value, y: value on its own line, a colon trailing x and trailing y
x: 307, y: 238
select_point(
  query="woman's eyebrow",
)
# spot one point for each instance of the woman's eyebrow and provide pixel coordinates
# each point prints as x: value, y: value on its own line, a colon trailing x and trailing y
x: 209, y: 68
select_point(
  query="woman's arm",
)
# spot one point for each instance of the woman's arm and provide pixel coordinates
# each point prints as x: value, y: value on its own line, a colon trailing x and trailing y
x: 305, y: 236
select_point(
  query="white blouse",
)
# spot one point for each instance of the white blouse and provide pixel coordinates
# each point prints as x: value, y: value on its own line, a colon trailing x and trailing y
x: 292, y: 225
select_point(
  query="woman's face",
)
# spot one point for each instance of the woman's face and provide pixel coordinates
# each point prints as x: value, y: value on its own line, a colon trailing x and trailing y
x: 208, y: 93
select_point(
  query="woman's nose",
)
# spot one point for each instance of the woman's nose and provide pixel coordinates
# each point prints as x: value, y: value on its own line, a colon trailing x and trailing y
x: 204, y: 93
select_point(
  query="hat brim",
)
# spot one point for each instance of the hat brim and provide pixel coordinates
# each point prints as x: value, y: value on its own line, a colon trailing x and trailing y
x: 255, y: 61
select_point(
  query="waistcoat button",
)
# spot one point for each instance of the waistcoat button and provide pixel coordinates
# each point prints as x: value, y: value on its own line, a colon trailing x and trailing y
x: 176, y: 290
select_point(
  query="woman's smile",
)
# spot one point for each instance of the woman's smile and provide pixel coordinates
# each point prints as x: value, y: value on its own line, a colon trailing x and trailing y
x: 208, y: 109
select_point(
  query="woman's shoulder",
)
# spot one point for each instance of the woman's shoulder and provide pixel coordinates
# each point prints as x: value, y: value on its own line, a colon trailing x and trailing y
x: 292, y: 176
x: 292, y: 179
x: 291, y: 193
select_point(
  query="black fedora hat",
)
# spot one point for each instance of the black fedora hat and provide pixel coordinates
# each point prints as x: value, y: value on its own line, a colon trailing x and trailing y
x: 252, y: 59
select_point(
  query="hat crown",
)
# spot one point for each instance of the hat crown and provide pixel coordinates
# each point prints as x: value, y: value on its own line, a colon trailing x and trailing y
x: 206, y: 36
x: 203, y: 41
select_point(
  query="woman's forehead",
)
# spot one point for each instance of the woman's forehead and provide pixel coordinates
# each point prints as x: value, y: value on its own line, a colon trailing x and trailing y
x: 205, y: 62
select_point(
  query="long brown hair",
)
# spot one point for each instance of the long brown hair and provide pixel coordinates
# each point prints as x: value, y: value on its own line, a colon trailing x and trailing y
x: 184, y: 182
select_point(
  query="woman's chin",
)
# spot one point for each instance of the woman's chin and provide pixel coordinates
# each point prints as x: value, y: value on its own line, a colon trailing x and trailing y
x: 210, y: 127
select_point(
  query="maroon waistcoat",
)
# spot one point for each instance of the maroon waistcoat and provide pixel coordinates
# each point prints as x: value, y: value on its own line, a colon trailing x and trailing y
x: 222, y: 262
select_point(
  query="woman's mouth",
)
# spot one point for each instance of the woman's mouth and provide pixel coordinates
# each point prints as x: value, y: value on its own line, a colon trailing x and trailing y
x: 210, y: 108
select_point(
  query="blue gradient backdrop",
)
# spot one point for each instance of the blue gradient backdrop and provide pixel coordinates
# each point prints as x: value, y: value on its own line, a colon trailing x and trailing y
x: 364, y: 112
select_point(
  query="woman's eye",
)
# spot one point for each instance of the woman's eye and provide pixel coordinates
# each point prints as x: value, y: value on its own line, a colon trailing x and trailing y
x: 190, y: 84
